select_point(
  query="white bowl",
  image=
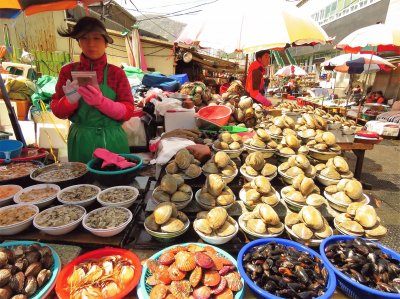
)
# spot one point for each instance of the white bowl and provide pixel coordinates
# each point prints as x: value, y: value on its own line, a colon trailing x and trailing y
x: 179, y: 204
x: 242, y: 197
x: 59, y: 230
x: 208, y: 207
x: 167, y: 236
x: 253, y: 235
x: 322, y: 156
x: 9, y: 199
x: 311, y: 242
x: 342, y: 207
x: 42, y: 203
x: 231, y: 153
x: 286, y: 178
x: 83, y: 203
x: 267, y: 152
x: 326, y: 181
x: 16, y: 228
x: 108, y: 232
x: 125, y: 204
x: 292, y: 205
x: 250, y: 178
x: 216, y: 240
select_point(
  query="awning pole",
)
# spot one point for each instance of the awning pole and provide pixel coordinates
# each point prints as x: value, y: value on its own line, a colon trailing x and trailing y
x: 245, y: 68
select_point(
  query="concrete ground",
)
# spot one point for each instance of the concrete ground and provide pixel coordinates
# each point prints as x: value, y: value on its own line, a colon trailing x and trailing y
x: 381, y: 169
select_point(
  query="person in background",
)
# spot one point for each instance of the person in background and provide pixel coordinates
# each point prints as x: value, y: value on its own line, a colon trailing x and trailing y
x: 377, y: 98
x: 266, y: 83
x: 96, y: 112
x: 224, y: 87
x: 255, y: 77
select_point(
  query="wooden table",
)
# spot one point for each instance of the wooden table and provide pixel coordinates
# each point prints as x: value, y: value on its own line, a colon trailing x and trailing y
x: 359, y: 150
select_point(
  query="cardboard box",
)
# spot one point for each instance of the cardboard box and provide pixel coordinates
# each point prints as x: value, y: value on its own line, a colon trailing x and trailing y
x: 179, y: 119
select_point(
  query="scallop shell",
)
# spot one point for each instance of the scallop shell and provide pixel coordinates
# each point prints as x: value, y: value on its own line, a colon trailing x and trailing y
x: 216, y: 217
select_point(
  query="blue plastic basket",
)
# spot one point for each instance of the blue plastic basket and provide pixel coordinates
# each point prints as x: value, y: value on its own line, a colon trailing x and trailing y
x: 55, y: 269
x: 261, y: 293
x: 146, y: 273
x: 350, y: 287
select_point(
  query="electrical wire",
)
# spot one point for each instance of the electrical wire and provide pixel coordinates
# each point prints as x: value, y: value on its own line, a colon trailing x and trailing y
x: 181, y: 3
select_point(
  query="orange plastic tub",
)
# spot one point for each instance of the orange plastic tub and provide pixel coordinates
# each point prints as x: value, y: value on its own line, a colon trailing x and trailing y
x: 218, y: 115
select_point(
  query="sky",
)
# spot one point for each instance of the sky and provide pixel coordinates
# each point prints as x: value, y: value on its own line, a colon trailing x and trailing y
x: 178, y: 10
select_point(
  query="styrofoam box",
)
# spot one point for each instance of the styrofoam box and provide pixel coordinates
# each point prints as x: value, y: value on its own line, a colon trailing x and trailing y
x: 46, y: 131
x: 179, y: 119
x: 4, y: 118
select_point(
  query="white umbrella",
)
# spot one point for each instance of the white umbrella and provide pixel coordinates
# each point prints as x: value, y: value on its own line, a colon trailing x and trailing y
x: 381, y: 37
x: 291, y: 70
x: 358, y: 63
x: 252, y: 26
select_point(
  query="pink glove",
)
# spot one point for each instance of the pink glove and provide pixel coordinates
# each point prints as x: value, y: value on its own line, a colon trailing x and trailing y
x: 94, y: 97
x: 110, y: 158
x: 262, y: 100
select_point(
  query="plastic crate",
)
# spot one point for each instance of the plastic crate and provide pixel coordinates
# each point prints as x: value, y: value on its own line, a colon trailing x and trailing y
x: 5, y: 135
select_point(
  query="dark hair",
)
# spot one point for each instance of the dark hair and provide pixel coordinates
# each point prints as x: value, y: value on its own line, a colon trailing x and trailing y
x: 231, y: 78
x: 259, y: 54
x: 83, y: 26
x: 379, y: 93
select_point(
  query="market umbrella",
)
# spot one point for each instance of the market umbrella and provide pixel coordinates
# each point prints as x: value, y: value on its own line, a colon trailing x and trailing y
x: 252, y: 26
x: 291, y: 70
x: 10, y: 9
x: 375, y: 38
x: 357, y: 63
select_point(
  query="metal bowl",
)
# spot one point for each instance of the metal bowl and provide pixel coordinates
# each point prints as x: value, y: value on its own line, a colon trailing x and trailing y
x: 78, y: 170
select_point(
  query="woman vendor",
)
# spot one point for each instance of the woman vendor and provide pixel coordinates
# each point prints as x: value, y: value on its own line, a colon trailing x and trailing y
x: 96, y: 112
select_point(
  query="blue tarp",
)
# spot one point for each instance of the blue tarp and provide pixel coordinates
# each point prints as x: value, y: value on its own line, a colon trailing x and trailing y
x: 160, y: 81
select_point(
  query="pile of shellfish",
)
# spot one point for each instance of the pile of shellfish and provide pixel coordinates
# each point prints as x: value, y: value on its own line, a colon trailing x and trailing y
x: 263, y: 220
x: 325, y: 142
x: 166, y: 218
x: 172, y: 188
x: 192, y: 271
x: 303, y: 191
x: 261, y: 140
x: 308, y: 224
x: 215, y: 223
x: 291, y: 145
x: 279, y: 123
x: 24, y: 270
x: 360, y: 220
x: 297, y: 164
x: 289, y: 106
x: 228, y: 141
x: 310, y: 121
x: 215, y: 192
x: 220, y: 164
x: 309, y: 134
x: 255, y: 165
x: 184, y: 163
x: 335, y: 168
x: 345, y: 192
x: 258, y: 191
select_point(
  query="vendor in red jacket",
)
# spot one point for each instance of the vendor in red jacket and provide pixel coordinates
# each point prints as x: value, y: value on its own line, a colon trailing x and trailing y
x: 377, y: 98
x: 255, y: 77
x: 96, y: 112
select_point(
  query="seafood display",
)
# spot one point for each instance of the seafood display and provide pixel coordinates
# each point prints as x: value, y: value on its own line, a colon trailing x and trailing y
x: 295, y: 165
x: 335, y: 169
x: 263, y: 220
x: 192, y: 270
x: 291, y: 145
x: 16, y: 170
x: 105, y: 218
x: 261, y: 140
x: 324, y: 142
x: 255, y: 165
x: 15, y: 214
x: 59, y: 172
x: 78, y: 193
x: 7, y: 191
x: 285, y: 271
x: 228, y: 141
x: 24, y: 270
x: 222, y: 165
x: 360, y: 220
x: 308, y: 225
x: 215, y: 223
x: 215, y: 193
x: 117, y: 195
x: 104, y: 277
x: 166, y: 218
x: 344, y: 193
x: 366, y: 263
x: 311, y: 121
x: 59, y: 215
x: 37, y: 194
x: 258, y: 191
x: 184, y: 164
x: 173, y: 189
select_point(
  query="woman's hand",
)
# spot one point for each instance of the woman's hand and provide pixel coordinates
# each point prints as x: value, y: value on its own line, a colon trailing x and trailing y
x: 70, y: 91
x: 91, y: 95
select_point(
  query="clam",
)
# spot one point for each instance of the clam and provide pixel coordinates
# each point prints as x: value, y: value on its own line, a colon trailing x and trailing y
x: 163, y: 212
x: 301, y: 161
x: 342, y: 184
x: 5, y: 276
x: 294, y: 171
x: 234, y: 145
x: 245, y: 102
x: 331, y: 173
x: 256, y: 225
x: 339, y: 163
x: 329, y: 138
x: 295, y: 196
x: 311, y: 217
x: 304, y: 149
x: 252, y: 195
x: 226, y: 229
x: 202, y: 215
x: 33, y: 269
x: 289, y: 131
x: 185, y: 188
x: 225, y: 137
x: 324, y: 232
x: 216, y: 217
x: 297, y: 181
x: 320, y: 166
x: 225, y: 198
x: 172, y: 225
x: 168, y: 184
x: 341, y: 197
x: 180, y: 196
x: 287, y: 151
x: 307, y: 186
x: 268, y: 170
x: 308, y: 133
x: 292, y: 219
x: 378, y: 231
x: 210, y: 167
x: 183, y: 158
x: 263, y: 134
x: 352, y: 227
x: 207, y: 199
x: 352, y: 208
x: 276, y: 229
x: 151, y: 224
x: 270, y: 199
x: 179, y: 179
x: 30, y: 285
x: 257, y: 143
x: 302, y: 231
x: 321, y: 147
x: 161, y: 196
x: 331, y: 189
x: 215, y: 184
x: 268, y: 214
x: 310, y: 171
x: 366, y: 216
x: 221, y: 159
x: 354, y: 189
x: 342, y: 217
x: 193, y: 171
x: 291, y: 141
x: 172, y: 167
x: 261, y: 184
x: 43, y: 277
x: 250, y: 171
x: 236, y: 138
x: 315, y: 200
x: 182, y: 216
x: 284, y: 166
x: 272, y: 144
x: 229, y: 170
x: 203, y: 226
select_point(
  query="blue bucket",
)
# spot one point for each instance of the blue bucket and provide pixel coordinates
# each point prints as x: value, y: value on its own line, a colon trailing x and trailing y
x: 10, y: 149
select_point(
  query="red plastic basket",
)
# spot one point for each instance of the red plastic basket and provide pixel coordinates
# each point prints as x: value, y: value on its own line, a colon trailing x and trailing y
x: 62, y: 288
x: 300, y: 102
x: 218, y: 115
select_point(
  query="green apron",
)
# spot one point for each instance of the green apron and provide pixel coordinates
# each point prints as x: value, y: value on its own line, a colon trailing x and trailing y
x: 91, y: 129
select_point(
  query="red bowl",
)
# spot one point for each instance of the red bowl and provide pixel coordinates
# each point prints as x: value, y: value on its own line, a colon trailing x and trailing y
x: 62, y: 288
x: 29, y: 154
